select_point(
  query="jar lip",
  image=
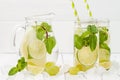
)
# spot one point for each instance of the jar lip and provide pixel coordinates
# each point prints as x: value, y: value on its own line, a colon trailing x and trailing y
x: 87, y: 21
x: 103, y: 20
x: 40, y: 17
x: 93, y: 21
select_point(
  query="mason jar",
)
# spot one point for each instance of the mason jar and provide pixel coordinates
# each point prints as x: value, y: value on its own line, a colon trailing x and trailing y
x: 104, y: 43
x: 86, y: 44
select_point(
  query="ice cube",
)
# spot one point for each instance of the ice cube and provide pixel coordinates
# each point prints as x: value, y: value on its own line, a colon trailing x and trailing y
x: 74, y: 77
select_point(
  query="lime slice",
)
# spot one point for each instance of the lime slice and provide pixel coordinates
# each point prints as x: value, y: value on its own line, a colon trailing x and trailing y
x: 106, y: 65
x: 87, y: 57
x: 34, y: 51
x: 35, y: 69
x: 37, y: 61
x: 30, y: 33
x: 32, y: 46
x: 83, y: 67
x: 36, y: 66
x: 104, y: 55
x: 37, y: 49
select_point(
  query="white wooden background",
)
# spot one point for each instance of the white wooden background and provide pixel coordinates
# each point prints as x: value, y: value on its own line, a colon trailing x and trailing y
x: 12, y: 13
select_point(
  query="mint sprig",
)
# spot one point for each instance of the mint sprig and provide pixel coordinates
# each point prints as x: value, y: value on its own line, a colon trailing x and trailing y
x: 105, y: 46
x: 87, y: 38
x: 42, y: 33
x: 103, y: 36
x: 19, y: 67
x: 92, y: 29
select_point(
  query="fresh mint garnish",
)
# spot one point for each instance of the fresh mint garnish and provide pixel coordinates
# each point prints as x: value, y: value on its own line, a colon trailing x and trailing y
x: 78, y: 41
x: 50, y: 44
x: 19, y: 67
x: 92, y: 29
x: 105, y: 46
x: 85, y: 34
x: 103, y: 36
x: 13, y: 71
x: 93, y: 41
x: 86, y: 41
x: 87, y: 38
x: 46, y: 26
x: 42, y: 33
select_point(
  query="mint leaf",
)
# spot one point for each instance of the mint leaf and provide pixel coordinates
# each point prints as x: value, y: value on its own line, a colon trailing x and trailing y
x: 93, y: 42
x: 50, y: 44
x: 103, y: 36
x: 92, y: 29
x: 78, y: 42
x: 19, y: 67
x: 85, y: 34
x: 105, y: 46
x: 42, y: 29
x: 13, y: 71
x: 22, y: 59
x: 40, y: 33
x: 21, y: 64
x: 105, y: 29
x: 46, y: 26
x: 86, y: 41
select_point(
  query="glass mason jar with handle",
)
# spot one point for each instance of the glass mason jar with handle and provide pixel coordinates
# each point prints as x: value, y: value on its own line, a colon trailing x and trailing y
x: 104, y: 41
x: 86, y: 44
x: 39, y: 45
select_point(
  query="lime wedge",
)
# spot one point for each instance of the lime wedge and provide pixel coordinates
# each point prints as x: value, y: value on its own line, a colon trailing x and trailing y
x: 87, y: 57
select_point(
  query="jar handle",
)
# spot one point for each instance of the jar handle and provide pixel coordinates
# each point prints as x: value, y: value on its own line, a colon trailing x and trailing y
x: 21, y: 27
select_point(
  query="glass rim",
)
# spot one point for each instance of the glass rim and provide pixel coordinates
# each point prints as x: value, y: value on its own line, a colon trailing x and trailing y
x: 40, y: 17
x: 85, y: 21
